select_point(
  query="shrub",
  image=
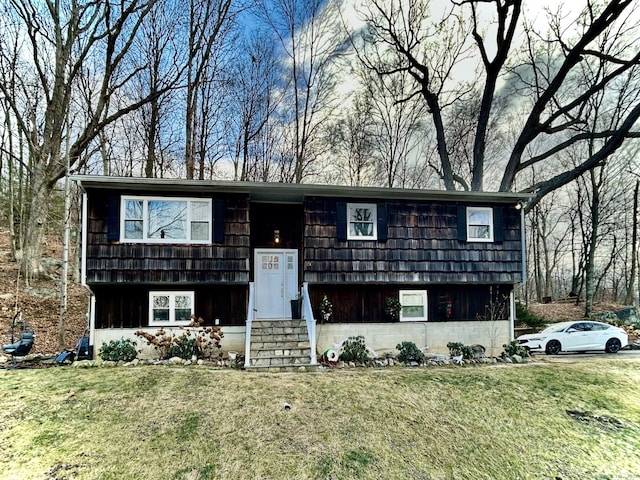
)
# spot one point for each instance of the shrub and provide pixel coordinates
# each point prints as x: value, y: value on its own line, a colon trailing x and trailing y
x: 513, y: 348
x: 524, y: 316
x: 326, y: 309
x: 185, y: 348
x: 410, y: 353
x: 354, y: 350
x: 195, y: 340
x: 456, y: 349
x: 392, y: 307
x: 118, y: 350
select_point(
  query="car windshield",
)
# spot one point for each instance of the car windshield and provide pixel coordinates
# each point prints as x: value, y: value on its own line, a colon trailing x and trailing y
x: 558, y: 327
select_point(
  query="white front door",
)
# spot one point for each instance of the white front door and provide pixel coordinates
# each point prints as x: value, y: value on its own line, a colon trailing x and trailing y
x: 276, y: 282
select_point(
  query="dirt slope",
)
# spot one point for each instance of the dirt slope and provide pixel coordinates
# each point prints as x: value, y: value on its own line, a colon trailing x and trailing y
x: 40, y: 301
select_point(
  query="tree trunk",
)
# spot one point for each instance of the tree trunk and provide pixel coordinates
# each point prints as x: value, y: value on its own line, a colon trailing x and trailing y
x: 31, y: 263
x: 593, y: 241
x: 629, y: 300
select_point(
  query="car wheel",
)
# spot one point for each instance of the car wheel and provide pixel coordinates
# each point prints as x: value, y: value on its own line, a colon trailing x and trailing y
x: 612, y: 346
x: 553, y: 347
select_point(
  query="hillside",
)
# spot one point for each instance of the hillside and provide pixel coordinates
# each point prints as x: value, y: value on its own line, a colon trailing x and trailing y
x: 40, y: 301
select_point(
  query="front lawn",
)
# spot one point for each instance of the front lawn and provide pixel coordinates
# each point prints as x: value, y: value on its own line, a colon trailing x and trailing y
x: 540, y: 421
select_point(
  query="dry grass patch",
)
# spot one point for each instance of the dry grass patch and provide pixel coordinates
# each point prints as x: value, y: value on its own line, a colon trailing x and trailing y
x: 435, y: 423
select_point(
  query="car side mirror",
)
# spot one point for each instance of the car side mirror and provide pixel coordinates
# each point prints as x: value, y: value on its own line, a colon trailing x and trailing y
x: 572, y: 330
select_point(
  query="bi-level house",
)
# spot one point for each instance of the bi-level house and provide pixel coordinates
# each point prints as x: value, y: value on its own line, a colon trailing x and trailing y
x: 155, y: 251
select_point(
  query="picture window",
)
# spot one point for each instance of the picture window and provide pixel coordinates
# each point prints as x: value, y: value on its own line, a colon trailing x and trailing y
x: 166, y: 220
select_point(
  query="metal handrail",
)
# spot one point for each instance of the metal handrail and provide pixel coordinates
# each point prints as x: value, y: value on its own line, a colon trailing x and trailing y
x: 250, y: 316
x: 307, y: 315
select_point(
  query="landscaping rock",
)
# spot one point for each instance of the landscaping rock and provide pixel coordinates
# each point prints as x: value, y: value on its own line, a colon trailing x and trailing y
x: 175, y: 361
x: 606, y: 317
x: 516, y: 359
x: 83, y: 364
x: 487, y: 360
x: 478, y: 350
x: 628, y: 316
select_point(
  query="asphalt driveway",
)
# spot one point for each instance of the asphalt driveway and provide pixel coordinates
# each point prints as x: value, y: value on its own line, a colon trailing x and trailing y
x: 577, y: 356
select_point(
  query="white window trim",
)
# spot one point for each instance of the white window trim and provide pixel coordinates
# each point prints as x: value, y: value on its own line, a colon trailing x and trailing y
x: 374, y: 209
x: 172, y: 304
x: 145, y: 201
x: 425, y: 305
x: 471, y: 210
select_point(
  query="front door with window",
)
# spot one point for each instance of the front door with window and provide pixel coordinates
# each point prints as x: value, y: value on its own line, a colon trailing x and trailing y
x: 276, y: 282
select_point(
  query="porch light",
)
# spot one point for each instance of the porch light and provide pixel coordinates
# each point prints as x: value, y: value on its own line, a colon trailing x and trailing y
x: 276, y: 236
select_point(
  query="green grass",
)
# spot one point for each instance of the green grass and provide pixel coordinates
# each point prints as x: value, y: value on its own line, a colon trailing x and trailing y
x: 197, y: 423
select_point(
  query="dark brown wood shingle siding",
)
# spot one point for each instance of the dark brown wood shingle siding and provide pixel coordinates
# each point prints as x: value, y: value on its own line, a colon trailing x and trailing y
x: 355, y: 304
x: 114, y: 262
x: 127, y: 305
x: 422, y: 247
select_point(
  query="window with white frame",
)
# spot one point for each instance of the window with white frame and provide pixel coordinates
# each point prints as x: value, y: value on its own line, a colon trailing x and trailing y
x: 414, y: 305
x: 480, y: 224
x: 170, y: 308
x: 362, y: 221
x: 166, y: 220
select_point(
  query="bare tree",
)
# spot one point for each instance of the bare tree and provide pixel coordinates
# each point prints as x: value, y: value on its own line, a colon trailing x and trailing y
x: 351, y: 144
x: 62, y: 42
x: 207, y: 27
x: 550, y: 73
x: 629, y: 300
x: 251, y: 88
x: 157, y: 44
x: 309, y: 38
x: 396, y: 125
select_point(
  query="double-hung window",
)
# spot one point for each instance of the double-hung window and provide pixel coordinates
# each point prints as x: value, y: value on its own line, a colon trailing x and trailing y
x: 414, y: 305
x: 480, y: 224
x: 166, y: 220
x: 362, y: 221
x: 170, y: 308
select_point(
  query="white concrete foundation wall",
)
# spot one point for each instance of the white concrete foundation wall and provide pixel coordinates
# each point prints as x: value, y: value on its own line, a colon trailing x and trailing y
x: 233, y: 339
x: 381, y: 337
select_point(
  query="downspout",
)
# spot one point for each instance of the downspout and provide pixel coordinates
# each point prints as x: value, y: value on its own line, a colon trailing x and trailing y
x: 91, y: 313
x: 523, y: 283
x: 523, y: 242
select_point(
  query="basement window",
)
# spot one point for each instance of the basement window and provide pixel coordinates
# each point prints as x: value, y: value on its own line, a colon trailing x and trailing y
x: 170, y: 308
x: 414, y: 305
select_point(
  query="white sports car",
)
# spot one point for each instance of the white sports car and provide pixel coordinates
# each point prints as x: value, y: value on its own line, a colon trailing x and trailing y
x: 579, y: 336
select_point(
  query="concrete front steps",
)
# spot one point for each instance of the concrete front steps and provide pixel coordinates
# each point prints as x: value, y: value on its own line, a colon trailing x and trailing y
x: 280, y: 345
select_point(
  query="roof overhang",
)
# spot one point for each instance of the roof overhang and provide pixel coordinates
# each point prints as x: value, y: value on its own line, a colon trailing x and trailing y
x: 290, y: 192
